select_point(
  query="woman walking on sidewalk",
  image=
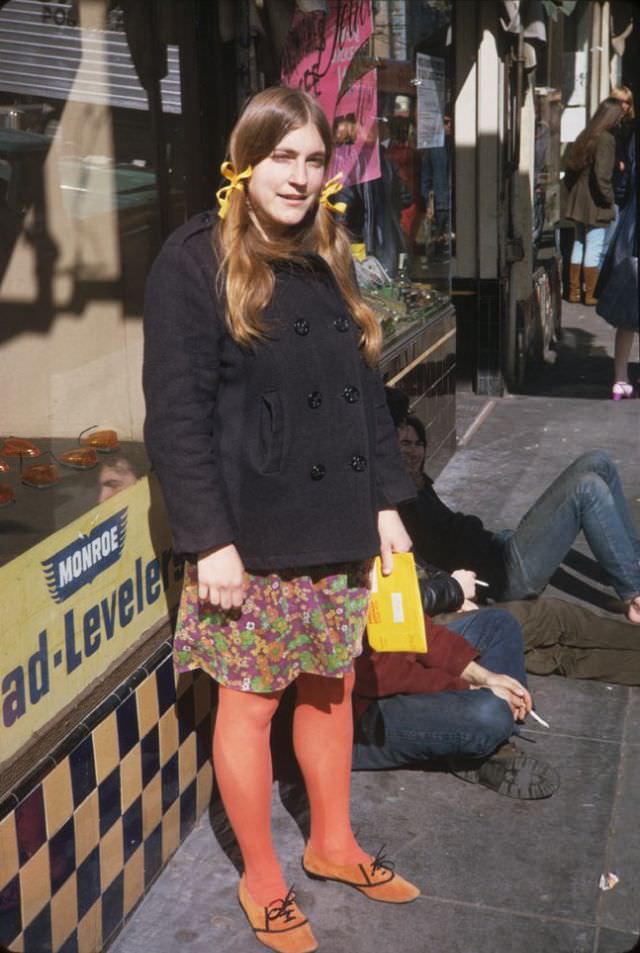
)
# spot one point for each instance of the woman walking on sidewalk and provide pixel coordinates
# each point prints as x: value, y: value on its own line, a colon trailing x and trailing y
x: 268, y: 426
x: 617, y: 288
x: 590, y: 200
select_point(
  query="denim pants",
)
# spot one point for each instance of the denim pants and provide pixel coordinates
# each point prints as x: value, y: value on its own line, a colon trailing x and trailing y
x: 589, y: 245
x: 586, y: 497
x: 405, y: 729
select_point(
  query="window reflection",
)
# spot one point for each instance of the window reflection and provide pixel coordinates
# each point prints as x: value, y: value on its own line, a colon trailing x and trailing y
x: 91, y: 179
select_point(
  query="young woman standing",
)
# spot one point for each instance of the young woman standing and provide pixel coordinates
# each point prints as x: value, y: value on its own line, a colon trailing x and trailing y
x: 267, y: 425
x: 590, y: 199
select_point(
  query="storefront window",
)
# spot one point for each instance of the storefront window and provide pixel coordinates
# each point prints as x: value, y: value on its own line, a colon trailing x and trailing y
x: 382, y: 71
x: 91, y: 179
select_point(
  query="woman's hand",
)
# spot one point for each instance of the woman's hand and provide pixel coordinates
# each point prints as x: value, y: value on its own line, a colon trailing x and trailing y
x: 393, y: 538
x: 221, y: 578
x: 467, y: 580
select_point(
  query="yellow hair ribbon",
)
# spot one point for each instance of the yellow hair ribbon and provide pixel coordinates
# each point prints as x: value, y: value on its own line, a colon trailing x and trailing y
x: 332, y: 187
x: 235, y: 182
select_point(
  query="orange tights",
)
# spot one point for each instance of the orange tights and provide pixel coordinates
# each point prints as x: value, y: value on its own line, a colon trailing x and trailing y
x: 322, y: 740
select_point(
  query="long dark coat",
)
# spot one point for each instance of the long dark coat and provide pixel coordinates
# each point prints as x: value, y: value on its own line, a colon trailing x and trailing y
x: 617, y: 288
x: 285, y: 449
x: 589, y: 194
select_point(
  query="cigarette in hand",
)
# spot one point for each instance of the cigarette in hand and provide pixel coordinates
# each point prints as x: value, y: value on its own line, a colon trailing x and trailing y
x: 540, y: 720
x: 480, y: 582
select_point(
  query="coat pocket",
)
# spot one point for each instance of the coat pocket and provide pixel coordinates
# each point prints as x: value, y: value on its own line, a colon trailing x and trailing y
x: 271, y: 432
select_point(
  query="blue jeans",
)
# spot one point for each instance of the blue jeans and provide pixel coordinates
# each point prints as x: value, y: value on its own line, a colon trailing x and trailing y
x: 405, y: 729
x: 589, y: 243
x: 586, y: 497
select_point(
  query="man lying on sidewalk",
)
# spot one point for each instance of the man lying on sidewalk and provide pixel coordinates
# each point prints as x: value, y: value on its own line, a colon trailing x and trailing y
x: 517, y: 564
x: 560, y: 637
x: 459, y: 701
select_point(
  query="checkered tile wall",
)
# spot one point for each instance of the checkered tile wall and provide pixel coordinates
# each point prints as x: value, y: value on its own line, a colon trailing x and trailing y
x: 83, y: 838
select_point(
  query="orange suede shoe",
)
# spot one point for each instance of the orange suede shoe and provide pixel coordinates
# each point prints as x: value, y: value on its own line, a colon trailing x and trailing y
x: 376, y: 880
x: 281, y: 926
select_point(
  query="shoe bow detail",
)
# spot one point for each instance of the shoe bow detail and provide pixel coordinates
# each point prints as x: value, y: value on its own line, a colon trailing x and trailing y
x: 282, y: 908
x: 382, y: 864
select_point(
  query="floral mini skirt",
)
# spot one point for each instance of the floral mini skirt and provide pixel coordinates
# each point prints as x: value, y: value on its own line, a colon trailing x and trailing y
x: 296, y: 621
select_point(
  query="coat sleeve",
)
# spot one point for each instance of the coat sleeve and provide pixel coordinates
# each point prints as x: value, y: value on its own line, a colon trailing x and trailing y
x: 603, y: 163
x: 393, y: 483
x: 182, y: 339
x: 440, y: 592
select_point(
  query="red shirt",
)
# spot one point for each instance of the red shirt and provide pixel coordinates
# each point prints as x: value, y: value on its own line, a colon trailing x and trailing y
x: 380, y: 674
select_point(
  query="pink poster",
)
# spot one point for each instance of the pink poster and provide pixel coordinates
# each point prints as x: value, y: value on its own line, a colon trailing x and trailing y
x: 317, y: 55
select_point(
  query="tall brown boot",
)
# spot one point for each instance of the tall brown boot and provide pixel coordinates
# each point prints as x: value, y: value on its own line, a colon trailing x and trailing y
x: 574, y: 284
x: 590, y: 282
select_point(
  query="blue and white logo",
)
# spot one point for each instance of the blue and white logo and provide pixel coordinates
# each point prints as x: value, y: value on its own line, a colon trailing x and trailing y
x: 80, y: 562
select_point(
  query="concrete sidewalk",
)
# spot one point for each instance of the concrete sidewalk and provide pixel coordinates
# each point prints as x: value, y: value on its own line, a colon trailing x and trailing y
x: 498, y: 876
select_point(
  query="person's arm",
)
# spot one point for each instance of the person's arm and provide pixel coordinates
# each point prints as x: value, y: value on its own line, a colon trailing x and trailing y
x: 440, y: 592
x: 603, y: 164
x: 183, y: 336
x: 503, y: 686
x: 382, y: 674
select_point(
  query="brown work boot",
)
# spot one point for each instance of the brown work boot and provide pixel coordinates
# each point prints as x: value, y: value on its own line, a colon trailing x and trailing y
x: 590, y: 282
x: 574, y: 284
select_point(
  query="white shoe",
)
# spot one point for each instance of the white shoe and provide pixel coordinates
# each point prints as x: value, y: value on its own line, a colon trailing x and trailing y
x: 621, y: 390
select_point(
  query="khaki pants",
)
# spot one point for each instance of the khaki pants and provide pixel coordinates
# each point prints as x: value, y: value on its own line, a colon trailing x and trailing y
x: 563, y: 638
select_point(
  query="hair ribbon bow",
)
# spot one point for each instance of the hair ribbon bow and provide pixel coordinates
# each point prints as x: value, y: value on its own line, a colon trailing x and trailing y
x: 332, y: 187
x: 235, y: 182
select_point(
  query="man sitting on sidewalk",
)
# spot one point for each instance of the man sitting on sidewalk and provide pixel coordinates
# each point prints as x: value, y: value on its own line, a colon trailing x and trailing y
x: 517, y: 564
x: 458, y: 701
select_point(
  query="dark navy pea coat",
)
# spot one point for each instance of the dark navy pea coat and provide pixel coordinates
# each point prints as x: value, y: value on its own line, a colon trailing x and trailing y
x: 286, y: 448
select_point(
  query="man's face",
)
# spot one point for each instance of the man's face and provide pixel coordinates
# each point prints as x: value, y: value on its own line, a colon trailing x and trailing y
x: 412, y: 449
x: 114, y: 478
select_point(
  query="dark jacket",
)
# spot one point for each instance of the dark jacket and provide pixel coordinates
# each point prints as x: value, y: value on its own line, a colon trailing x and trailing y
x: 373, y: 213
x: 617, y: 287
x: 451, y: 540
x: 440, y: 592
x: 589, y: 193
x: 381, y: 674
x: 285, y: 449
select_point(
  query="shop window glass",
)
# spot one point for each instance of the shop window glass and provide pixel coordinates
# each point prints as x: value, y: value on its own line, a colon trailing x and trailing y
x: 382, y: 71
x: 91, y: 179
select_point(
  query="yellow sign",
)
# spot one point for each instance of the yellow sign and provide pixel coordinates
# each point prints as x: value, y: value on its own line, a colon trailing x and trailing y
x: 73, y: 604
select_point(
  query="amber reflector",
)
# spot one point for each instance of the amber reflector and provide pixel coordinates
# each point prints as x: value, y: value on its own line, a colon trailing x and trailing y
x: 81, y: 458
x: 18, y: 447
x: 41, y: 475
x: 104, y: 441
x: 6, y: 495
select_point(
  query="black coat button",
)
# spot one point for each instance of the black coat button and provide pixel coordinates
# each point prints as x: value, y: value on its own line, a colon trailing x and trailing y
x: 301, y: 327
x: 342, y: 323
x: 314, y: 399
x: 358, y: 463
x: 351, y: 394
x: 317, y: 471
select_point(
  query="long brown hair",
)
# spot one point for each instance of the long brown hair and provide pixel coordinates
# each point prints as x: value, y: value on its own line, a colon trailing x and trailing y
x: 245, y: 254
x: 606, y: 117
